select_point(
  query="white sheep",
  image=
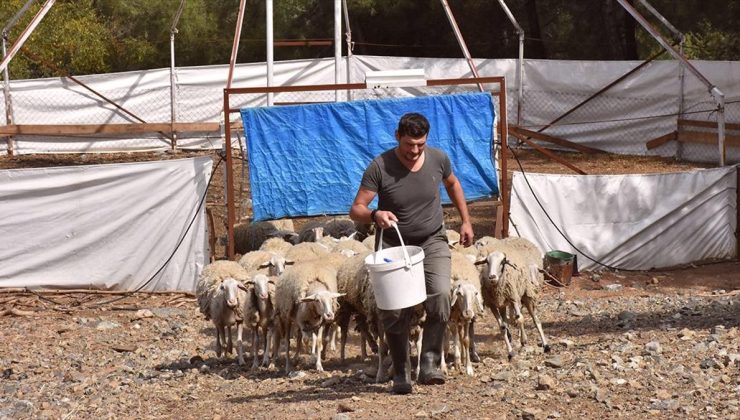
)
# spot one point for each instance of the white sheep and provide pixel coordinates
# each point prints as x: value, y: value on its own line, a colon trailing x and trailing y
x: 465, y: 302
x: 276, y: 246
x: 264, y: 262
x: 353, y: 245
x: 369, y: 242
x: 512, y: 278
x: 306, y: 251
x: 307, y: 295
x: 264, y: 297
x: 224, y: 298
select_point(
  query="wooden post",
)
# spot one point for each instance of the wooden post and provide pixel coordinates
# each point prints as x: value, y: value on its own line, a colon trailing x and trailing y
x: 229, y: 188
x: 504, y: 156
x: 737, y: 212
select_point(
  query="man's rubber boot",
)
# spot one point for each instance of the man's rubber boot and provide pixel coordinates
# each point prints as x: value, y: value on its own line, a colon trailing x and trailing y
x: 398, y: 344
x: 431, y: 354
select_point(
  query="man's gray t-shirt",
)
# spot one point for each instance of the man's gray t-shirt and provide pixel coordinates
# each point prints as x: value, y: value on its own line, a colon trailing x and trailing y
x: 412, y: 196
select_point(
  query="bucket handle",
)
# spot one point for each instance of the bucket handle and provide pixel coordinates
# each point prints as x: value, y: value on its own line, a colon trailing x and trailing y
x: 406, y: 257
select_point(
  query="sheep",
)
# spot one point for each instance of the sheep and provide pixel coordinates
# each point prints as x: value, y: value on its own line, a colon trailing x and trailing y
x: 353, y: 245
x: 307, y: 295
x: 264, y: 262
x: 453, y: 237
x: 359, y: 298
x: 364, y: 230
x: 339, y: 228
x: 249, y: 237
x: 264, y: 297
x: 311, y: 232
x: 465, y: 302
x: 224, y: 298
x: 483, y: 241
x: 276, y: 246
x: 512, y: 278
x: 369, y: 242
x: 306, y: 251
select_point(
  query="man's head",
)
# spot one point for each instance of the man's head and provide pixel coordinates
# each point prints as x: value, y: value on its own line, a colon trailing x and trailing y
x: 412, y: 136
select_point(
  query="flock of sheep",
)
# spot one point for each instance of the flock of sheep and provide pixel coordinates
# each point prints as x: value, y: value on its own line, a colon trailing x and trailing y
x: 313, y: 284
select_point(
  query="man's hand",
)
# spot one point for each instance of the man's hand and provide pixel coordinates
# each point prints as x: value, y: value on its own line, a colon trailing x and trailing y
x: 466, y: 234
x: 384, y: 219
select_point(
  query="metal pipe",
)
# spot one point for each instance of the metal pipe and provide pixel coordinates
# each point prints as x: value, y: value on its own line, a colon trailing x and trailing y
x: 228, y: 180
x: 717, y: 94
x: 460, y: 40
x: 270, y: 48
x: 235, y: 45
x: 8, y: 101
x: 348, y: 38
x: 519, y: 63
x: 173, y: 102
x: 26, y: 33
x: 679, y: 35
x: 337, y: 45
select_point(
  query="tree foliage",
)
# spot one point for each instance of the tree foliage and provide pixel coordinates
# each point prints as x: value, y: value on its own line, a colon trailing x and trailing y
x: 97, y: 36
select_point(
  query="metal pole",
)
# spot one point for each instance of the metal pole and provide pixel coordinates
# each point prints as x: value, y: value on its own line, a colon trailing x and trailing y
x: 348, y: 37
x: 173, y: 102
x: 228, y: 180
x: 26, y: 33
x: 717, y: 94
x: 505, y: 197
x: 8, y: 101
x: 337, y: 45
x: 270, y: 47
x: 519, y: 63
x: 460, y: 40
x: 235, y: 45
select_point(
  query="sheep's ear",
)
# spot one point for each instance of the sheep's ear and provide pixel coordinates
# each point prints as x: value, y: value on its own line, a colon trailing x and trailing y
x: 335, y: 295
x: 264, y: 264
x: 454, y: 298
x: 309, y: 298
x: 480, y: 262
x: 289, y: 262
x: 270, y: 281
x: 242, y: 286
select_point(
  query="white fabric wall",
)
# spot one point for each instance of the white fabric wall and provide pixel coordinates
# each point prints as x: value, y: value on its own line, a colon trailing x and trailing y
x: 104, y: 226
x: 551, y: 87
x: 630, y: 221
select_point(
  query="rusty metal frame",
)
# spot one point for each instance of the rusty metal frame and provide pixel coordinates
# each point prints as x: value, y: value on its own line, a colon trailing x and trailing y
x: 502, y: 131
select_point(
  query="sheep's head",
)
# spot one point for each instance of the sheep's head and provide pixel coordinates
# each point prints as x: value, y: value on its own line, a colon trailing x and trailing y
x: 469, y: 299
x: 229, y: 287
x: 497, y: 263
x: 276, y: 265
x: 261, y: 286
x: 324, y: 304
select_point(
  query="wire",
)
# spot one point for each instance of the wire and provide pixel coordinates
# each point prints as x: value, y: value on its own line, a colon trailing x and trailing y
x: 556, y: 226
x: 184, y: 235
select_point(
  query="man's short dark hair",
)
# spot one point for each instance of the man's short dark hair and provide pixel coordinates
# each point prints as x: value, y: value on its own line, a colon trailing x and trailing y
x: 413, y: 125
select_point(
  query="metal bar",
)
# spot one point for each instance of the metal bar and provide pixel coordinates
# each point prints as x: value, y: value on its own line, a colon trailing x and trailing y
x: 520, y: 61
x: 504, y: 157
x: 228, y: 179
x: 547, y: 153
x: 235, y: 45
x: 706, y: 124
x: 270, y: 53
x: 304, y: 43
x: 460, y: 40
x: 26, y: 33
x: 348, y: 38
x: 90, y: 129
x: 678, y: 34
x: 337, y: 45
x: 17, y: 17
x: 717, y: 94
x: 556, y: 140
x: 64, y: 73
x: 173, y: 102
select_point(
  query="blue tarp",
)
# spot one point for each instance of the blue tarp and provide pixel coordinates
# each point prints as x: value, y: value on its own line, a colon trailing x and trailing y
x: 307, y: 160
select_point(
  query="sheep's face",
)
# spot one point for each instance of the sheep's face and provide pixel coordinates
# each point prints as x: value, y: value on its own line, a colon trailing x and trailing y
x: 496, y: 264
x: 230, y: 290
x: 325, y: 304
x: 468, y: 298
x: 261, y: 286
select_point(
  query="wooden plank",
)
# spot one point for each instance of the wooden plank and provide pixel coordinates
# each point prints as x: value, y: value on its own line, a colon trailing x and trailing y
x: 547, y: 153
x: 707, y: 138
x: 82, y: 129
x: 659, y: 141
x: 706, y: 124
x: 498, y: 228
x: 555, y: 140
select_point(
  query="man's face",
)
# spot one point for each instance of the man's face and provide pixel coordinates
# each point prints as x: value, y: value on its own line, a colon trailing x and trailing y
x: 410, y: 148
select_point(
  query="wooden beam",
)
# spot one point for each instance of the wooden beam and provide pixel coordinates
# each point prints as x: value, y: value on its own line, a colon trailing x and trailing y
x: 546, y: 152
x: 498, y: 228
x: 706, y: 124
x: 659, y: 141
x: 706, y: 138
x: 555, y: 140
x: 83, y: 129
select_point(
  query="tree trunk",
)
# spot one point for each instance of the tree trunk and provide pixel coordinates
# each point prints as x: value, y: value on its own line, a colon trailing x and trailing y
x: 537, y: 46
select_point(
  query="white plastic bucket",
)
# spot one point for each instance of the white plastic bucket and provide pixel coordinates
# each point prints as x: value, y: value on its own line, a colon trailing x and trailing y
x: 397, y: 275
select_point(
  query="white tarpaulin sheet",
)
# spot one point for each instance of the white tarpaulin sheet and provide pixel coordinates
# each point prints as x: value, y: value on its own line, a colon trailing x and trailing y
x: 104, y: 226
x: 630, y: 221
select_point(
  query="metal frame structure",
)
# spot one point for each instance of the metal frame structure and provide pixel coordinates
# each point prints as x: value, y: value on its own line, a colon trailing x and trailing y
x: 502, y: 131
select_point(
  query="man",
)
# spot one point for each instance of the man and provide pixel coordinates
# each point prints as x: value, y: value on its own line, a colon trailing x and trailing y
x: 406, y: 180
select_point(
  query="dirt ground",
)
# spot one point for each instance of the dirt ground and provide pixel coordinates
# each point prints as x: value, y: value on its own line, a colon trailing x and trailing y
x: 661, y: 344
